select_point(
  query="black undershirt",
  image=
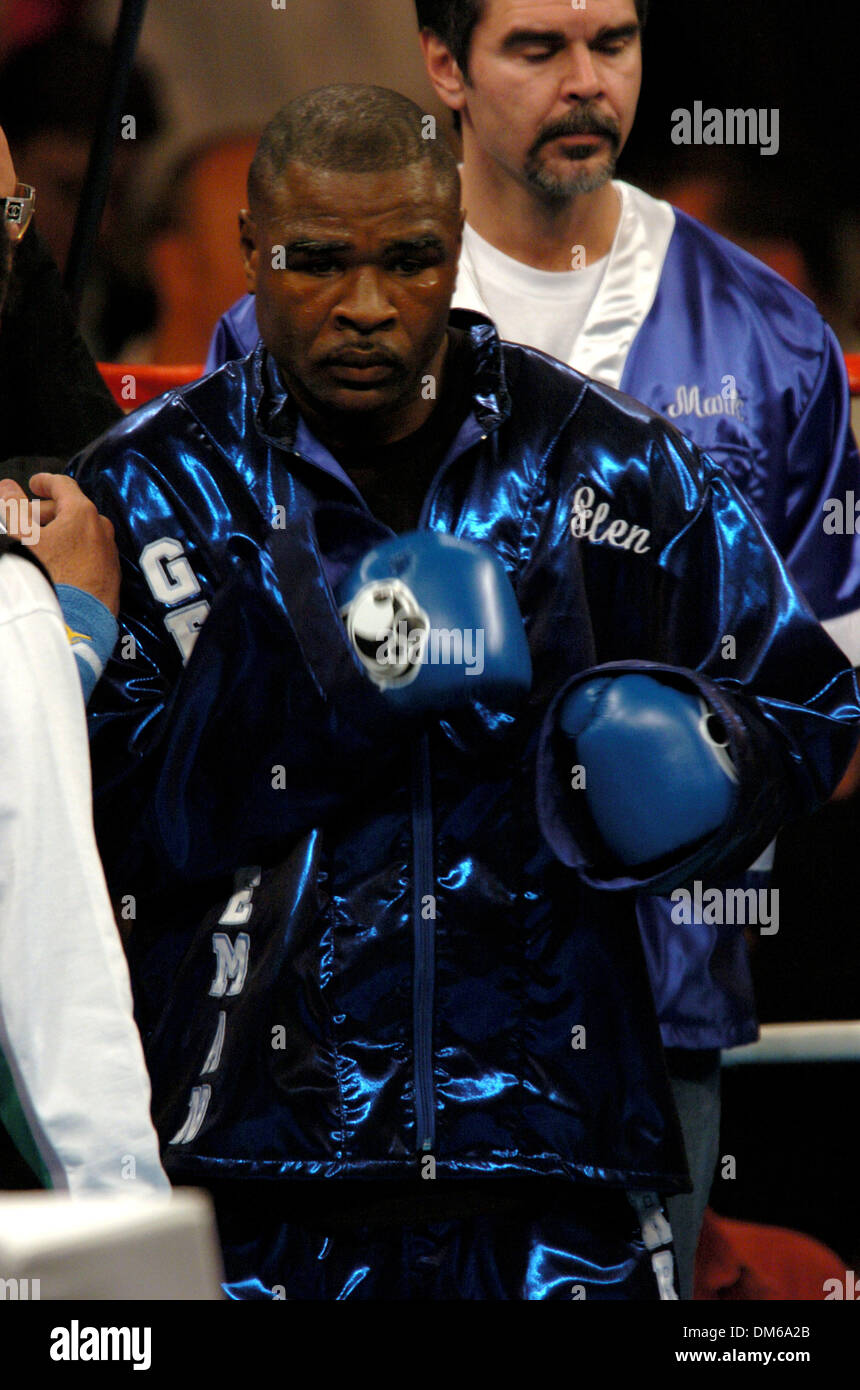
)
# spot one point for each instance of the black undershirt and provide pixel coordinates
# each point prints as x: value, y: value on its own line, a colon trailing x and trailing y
x: 394, y: 478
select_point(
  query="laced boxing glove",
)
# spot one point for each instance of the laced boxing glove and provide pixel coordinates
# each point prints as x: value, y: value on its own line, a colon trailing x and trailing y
x: 658, y: 775
x: 434, y: 621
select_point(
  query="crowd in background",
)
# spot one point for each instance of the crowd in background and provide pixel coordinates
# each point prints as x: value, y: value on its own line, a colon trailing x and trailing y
x: 199, y: 101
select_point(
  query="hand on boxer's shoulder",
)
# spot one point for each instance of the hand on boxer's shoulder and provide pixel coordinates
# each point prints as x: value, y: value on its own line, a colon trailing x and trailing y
x: 22, y: 515
x: 73, y: 542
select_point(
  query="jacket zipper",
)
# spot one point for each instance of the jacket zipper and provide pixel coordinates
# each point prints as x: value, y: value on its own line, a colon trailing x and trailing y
x: 424, y: 929
x: 424, y: 936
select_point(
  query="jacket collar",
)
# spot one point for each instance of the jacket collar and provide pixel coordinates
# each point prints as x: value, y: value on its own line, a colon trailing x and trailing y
x: 278, y: 420
x: 627, y: 289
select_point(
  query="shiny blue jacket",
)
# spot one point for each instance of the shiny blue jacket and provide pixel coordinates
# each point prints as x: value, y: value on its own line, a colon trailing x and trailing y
x: 352, y: 944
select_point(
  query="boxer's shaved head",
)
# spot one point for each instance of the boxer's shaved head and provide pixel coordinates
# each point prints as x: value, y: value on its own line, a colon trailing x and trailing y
x: 350, y: 128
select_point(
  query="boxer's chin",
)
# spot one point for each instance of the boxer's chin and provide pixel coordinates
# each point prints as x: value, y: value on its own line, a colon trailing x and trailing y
x: 360, y: 397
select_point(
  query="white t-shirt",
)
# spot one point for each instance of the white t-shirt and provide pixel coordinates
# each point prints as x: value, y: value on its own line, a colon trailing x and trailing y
x: 544, y: 308
x: 66, y: 1026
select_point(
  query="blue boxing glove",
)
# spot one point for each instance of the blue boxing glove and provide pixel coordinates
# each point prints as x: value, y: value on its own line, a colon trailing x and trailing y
x: 658, y: 776
x: 434, y: 621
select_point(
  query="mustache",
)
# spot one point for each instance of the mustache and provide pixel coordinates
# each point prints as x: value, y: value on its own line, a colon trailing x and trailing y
x: 579, y: 123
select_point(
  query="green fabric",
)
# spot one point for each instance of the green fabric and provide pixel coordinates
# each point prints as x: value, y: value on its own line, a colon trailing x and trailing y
x: 12, y: 1119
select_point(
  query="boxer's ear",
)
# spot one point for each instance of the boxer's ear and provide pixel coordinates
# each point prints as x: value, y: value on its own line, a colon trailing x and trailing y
x: 249, y: 243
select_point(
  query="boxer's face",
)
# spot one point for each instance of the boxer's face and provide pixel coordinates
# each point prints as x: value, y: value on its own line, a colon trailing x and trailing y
x: 354, y: 275
x: 551, y: 90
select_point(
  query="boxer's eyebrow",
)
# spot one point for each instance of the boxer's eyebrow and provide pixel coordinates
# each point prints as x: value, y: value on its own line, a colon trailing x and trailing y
x: 306, y: 245
x: 427, y: 242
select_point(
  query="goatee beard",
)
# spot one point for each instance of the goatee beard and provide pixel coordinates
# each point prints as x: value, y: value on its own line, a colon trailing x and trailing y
x: 561, y: 187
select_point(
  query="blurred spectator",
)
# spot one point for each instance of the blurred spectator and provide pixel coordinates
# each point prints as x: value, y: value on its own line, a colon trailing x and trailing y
x: 249, y: 59
x: 54, y: 400
x: 24, y: 22
x: 754, y: 209
x: 193, y: 249
x: 51, y: 96
x: 740, y: 1260
x: 717, y: 201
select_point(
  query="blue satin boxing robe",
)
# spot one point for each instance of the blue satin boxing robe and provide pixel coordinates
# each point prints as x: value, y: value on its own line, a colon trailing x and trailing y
x: 353, y: 948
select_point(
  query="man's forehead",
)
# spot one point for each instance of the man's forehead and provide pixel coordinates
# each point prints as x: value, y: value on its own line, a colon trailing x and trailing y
x: 337, y: 200
x: 556, y: 15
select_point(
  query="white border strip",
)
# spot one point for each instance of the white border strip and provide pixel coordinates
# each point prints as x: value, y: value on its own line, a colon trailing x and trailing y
x: 799, y: 1042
